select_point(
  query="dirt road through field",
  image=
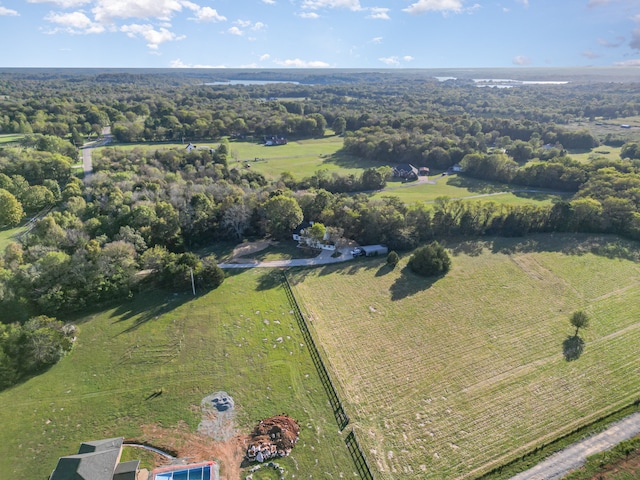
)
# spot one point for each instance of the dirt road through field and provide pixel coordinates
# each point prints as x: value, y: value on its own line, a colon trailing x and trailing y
x: 560, y: 464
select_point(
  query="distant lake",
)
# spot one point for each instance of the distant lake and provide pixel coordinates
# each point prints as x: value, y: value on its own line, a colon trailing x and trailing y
x: 251, y: 82
x: 505, y: 82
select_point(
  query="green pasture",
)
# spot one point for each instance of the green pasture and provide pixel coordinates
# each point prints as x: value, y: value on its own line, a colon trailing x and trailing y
x: 241, y: 338
x: 451, y: 377
x: 454, y: 186
x: 603, y: 151
x: 8, y: 235
x: 10, y: 138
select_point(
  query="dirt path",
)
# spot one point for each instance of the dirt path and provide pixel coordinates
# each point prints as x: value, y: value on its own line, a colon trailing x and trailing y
x: 561, y: 463
x: 324, y: 257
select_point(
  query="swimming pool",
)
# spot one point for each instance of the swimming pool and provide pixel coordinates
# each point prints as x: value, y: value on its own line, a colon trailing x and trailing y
x: 197, y: 471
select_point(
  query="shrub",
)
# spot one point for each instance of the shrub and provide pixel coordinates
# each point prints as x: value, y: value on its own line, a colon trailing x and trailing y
x: 392, y: 259
x: 430, y: 260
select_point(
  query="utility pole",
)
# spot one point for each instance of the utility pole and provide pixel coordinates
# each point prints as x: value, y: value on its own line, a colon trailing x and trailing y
x: 193, y: 283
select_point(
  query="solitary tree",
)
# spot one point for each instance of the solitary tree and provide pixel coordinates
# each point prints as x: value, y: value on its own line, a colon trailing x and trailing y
x: 392, y: 259
x: 430, y: 260
x: 579, y: 320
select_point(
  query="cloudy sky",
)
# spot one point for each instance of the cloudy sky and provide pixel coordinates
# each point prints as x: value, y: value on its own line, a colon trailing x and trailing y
x: 319, y: 33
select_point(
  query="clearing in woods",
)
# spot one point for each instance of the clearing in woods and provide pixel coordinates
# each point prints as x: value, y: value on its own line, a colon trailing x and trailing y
x: 450, y: 377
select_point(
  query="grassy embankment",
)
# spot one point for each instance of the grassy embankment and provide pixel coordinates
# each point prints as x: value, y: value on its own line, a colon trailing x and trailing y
x: 449, y: 378
x: 240, y: 338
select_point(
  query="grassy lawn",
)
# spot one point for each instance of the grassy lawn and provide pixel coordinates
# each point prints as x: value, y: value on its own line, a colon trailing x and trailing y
x: 454, y: 186
x: 448, y: 378
x: 610, y: 153
x: 8, y: 235
x: 240, y: 338
x: 10, y: 138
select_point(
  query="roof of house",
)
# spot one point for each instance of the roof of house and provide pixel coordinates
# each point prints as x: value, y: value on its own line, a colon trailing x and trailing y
x: 405, y: 167
x: 95, y: 460
x: 301, y: 227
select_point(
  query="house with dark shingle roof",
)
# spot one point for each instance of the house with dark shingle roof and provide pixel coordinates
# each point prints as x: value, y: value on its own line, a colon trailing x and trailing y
x: 406, y: 171
x: 96, y: 460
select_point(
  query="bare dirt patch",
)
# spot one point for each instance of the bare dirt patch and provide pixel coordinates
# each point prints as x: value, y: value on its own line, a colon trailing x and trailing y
x: 251, y: 247
x: 194, y: 447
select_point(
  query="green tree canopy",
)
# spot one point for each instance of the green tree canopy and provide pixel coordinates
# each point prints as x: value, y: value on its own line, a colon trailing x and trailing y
x: 282, y: 215
x: 11, y: 212
x: 430, y: 260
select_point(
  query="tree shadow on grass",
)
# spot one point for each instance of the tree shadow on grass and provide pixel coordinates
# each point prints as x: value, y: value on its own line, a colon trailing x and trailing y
x: 269, y: 279
x: 408, y: 283
x: 472, y: 248
x: 572, y: 347
x: 385, y: 269
x: 149, y: 306
x: 477, y: 186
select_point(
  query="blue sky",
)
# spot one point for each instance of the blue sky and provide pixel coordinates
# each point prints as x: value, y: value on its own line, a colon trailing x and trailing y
x: 319, y: 33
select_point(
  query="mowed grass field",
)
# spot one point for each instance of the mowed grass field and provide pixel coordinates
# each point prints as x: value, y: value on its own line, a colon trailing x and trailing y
x: 240, y: 338
x: 459, y: 187
x: 448, y: 378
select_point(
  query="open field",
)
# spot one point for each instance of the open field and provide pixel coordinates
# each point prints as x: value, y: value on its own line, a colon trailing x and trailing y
x: 449, y: 378
x: 10, y: 138
x: 240, y: 338
x: 454, y: 186
x: 610, y: 153
x: 8, y: 235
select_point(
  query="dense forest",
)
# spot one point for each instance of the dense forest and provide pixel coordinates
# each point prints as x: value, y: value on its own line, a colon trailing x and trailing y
x: 151, y: 210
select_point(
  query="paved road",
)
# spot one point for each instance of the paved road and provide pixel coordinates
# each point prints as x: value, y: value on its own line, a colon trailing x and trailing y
x: 561, y: 463
x: 87, y: 166
x: 323, y: 258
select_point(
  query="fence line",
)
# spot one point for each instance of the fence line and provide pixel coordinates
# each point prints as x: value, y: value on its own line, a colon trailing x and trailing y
x: 358, y: 456
x: 341, y: 417
x: 336, y: 404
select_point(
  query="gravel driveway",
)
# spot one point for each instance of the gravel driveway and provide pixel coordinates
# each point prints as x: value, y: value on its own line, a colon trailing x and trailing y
x: 561, y: 463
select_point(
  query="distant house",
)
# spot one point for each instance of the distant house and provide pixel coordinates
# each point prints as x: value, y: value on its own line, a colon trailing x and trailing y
x: 190, y: 147
x: 423, y: 171
x: 405, y: 171
x: 96, y: 460
x: 456, y: 168
x: 274, y: 140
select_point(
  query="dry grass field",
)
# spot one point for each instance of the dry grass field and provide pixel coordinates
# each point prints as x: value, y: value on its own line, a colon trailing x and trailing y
x: 448, y: 378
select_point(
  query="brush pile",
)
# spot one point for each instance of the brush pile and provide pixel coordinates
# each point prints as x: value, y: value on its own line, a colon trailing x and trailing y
x: 273, y: 437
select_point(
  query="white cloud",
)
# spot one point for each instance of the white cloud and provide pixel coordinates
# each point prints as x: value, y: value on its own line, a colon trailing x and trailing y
x: 258, y: 26
x: 8, y: 12
x: 180, y: 64
x: 590, y: 54
x: 264, y: 57
x: 445, y: 6
x: 153, y: 37
x: 63, y: 3
x: 521, y: 60
x: 408, y: 58
x: 317, y: 4
x: 606, y: 43
x: 243, y: 23
x: 107, y: 10
x: 312, y: 15
x: 629, y: 63
x: 74, y: 22
x: 379, y: 13
x: 208, y: 14
x: 297, y: 63
x: 524, y: 2
x: 269, y: 2
x: 390, y: 60
x: 235, y: 31
x: 597, y: 3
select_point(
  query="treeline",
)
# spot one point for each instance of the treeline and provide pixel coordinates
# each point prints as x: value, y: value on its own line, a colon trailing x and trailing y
x: 28, y: 348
